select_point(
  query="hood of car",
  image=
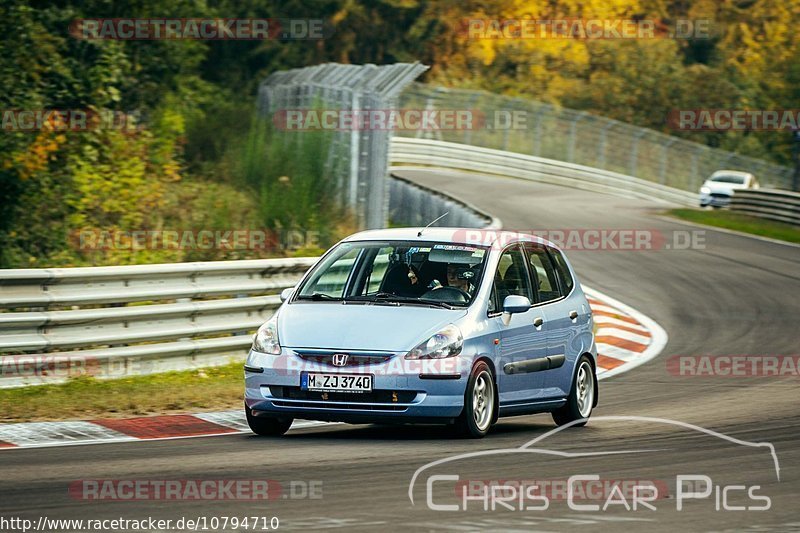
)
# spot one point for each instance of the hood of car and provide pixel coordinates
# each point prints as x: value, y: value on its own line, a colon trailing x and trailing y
x: 337, y: 326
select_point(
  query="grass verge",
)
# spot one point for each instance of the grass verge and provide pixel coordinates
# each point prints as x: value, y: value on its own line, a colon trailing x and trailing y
x: 214, y: 388
x: 739, y: 222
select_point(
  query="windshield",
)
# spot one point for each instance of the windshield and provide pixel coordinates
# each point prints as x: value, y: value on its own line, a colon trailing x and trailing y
x: 398, y: 272
x: 727, y: 178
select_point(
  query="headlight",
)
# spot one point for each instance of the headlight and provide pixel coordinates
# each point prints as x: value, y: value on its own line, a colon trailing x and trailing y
x: 446, y: 343
x: 266, y: 338
x: 705, y: 190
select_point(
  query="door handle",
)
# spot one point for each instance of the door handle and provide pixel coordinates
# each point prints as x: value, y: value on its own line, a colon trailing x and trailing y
x: 538, y: 321
x: 573, y: 315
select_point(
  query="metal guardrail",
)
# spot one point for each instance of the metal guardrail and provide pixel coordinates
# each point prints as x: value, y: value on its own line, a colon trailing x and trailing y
x: 783, y: 206
x: 56, y: 323
x: 455, y: 156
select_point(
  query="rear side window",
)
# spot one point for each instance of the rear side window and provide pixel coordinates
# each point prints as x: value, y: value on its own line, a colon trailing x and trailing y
x: 543, y: 274
x: 563, y: 271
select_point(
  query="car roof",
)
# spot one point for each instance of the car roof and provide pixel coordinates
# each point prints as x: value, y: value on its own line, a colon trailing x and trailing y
x: 468, y: 236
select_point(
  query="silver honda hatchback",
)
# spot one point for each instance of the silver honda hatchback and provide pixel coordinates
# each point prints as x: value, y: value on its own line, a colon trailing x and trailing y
x: 437, y: 325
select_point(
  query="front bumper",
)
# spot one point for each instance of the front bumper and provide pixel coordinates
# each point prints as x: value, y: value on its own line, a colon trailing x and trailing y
x: 715, y: 200
x: 403, y: 390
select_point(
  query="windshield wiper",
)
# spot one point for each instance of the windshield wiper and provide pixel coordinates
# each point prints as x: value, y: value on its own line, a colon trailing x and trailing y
x: 318, y: 296
x: 376, y: 296
x: 437, y: 303
x: 389, y: 297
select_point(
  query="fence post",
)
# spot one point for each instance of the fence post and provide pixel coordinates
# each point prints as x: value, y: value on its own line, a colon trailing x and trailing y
x: 537, y: 132
x: 573, y: 127
x: 602, y: 145
x: 633, y: 165
x: 665, y: 160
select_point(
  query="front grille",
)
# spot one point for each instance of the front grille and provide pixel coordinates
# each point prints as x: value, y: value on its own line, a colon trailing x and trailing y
x: 326, y: 358
x: 376, y: 396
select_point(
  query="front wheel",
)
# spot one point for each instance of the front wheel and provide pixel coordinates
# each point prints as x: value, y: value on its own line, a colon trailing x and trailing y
x: 581, y: 398
x: 267, y: 426
x: 479, y: 399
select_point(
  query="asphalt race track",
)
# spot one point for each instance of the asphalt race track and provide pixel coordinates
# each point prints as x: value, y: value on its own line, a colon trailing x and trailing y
x: 735, y: 296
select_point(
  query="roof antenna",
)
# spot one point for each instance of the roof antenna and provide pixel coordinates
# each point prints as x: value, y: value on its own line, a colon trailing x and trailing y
x: 434, y: 221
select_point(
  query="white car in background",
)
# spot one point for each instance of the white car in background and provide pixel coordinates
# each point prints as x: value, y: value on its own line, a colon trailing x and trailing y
x: 718, y: 189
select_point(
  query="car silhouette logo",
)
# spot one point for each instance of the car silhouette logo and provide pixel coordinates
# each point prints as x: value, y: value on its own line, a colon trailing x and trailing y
x: 339, y: 359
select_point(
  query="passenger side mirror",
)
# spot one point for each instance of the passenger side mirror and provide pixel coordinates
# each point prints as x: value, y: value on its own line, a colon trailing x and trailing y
x: 515, y: 303
x: 286, y: 293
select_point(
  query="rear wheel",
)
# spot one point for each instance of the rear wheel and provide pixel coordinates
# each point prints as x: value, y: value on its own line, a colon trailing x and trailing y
x: 267, y: 426
x: 479, y: 403
x: 581, y: 398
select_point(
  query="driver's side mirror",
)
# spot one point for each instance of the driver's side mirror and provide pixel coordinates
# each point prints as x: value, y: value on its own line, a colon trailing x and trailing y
x: 514, y: 303
x: 286, y: 293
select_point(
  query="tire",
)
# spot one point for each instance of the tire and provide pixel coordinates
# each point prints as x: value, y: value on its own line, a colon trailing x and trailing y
x: 479, y: 403
x: 581, y: 398
x: 267, y: 426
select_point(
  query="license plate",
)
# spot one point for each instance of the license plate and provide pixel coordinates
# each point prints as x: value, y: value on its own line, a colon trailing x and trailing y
x: 313, y: 381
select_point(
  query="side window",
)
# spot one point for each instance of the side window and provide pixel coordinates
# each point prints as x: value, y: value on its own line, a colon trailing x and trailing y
x: 511, y: 278
x: 543, y: 273
x: 563, y: 271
